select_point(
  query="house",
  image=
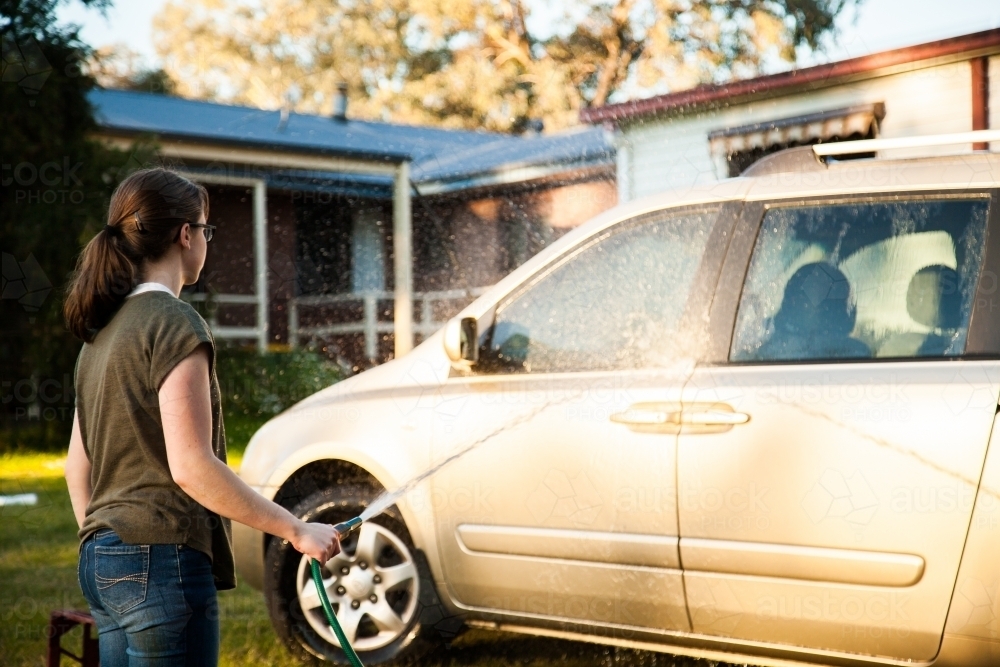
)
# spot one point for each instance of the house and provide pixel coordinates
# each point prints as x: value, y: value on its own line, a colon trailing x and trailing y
x: 360, y: 237
x: 714, y: 132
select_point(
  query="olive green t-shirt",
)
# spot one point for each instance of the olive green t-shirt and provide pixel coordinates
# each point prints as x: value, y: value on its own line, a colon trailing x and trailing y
x: 118, y: 377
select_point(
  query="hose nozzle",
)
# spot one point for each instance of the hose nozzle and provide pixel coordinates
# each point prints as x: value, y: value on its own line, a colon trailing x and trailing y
x: 345, y: 528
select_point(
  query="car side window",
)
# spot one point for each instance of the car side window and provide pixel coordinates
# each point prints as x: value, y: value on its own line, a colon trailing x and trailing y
x: 615, y: 304
x: 860, y: 280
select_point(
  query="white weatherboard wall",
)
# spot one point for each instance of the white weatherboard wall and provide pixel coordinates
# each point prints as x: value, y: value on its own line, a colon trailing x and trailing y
x: 658, y: 154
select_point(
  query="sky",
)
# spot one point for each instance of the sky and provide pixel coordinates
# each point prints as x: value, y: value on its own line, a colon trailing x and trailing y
x: 877, y: 25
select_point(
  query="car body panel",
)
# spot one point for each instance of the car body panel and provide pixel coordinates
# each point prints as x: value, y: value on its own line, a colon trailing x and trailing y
x: 394, y: 421
x: 975, y: 607
x: 784, y: 561
x: 637, y: 549
x: 878, y: 457
x: 564, y: 468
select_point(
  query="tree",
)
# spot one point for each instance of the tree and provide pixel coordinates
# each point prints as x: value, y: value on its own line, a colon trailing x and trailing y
x: 121, y: 68
x: 490, y: 64
x: 55, y: 186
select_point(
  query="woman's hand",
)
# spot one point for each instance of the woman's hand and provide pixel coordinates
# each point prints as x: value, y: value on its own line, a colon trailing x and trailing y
x: 316, y: 540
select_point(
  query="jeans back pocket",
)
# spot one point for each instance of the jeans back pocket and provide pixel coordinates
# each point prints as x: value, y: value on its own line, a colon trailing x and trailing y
x: 121, y: 574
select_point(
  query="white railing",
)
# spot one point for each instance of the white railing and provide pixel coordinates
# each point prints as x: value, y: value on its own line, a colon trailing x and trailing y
x: 214, y: 300
x: 370, y: 326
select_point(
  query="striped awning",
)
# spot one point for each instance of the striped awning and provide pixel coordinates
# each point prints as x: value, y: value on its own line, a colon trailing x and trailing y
x: 811, y: 128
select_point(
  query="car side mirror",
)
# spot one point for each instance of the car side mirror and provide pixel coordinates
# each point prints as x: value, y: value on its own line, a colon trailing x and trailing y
x: 461, y: 339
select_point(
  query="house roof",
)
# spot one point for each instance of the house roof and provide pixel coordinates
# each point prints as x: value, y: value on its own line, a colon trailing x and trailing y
x: 807, y: 78
x: 178, y: 118
x: 581, y: 147
x: 450, y: 159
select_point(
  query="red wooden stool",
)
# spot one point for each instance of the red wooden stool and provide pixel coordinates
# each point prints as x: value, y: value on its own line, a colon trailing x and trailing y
x: 61, y: 622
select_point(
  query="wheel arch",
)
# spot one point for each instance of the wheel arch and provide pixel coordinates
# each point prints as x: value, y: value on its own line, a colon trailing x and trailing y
x: 334, y: 463
x: 320, y: 474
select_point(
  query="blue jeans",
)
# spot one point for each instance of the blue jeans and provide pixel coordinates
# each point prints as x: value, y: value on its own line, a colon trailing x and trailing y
x: 155, y: 604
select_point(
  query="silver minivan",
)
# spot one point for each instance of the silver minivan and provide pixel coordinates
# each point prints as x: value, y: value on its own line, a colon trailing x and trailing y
x: 749, y: 422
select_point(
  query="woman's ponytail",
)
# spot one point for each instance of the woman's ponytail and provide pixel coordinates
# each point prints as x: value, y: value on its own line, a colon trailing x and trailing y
x: 104, y: 275
x: 146, y: 211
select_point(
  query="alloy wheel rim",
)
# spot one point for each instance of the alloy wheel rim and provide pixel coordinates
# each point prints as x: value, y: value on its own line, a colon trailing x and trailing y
x: 373, y: 586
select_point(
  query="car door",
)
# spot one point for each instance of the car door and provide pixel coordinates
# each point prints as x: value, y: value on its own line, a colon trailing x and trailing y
x: 565, y: 509
x: 831, y: 454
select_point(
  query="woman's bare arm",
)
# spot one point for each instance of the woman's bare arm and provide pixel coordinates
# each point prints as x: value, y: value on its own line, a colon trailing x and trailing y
x: 186, y: 411
x: 77, y: 473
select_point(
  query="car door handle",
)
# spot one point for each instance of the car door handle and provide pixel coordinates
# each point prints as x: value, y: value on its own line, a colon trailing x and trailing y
x: 646, y: 417
x: 653, y: 417
x: 705, y: 417
x: 714, y: 418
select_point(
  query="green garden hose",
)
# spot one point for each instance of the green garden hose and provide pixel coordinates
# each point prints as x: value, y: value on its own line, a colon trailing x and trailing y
x: 352, y: 657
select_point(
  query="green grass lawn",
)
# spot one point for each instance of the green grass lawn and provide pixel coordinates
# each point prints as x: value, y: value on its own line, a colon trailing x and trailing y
x: 38, y: 557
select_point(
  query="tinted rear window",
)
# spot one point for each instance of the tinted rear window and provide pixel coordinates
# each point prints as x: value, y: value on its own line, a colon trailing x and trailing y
x: 862, y: 280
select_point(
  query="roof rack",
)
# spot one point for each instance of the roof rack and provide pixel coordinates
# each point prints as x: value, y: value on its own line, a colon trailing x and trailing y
x: 871, y: 145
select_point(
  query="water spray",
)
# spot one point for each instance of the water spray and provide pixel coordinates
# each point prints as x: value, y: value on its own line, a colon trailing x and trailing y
x: 381, y: 504
x: 387, y: 498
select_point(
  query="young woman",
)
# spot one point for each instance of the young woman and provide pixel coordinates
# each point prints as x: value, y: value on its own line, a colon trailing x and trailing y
x: 146, y: 467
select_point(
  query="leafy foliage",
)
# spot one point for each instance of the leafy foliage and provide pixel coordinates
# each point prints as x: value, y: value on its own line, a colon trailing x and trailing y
x: 484, y: 64
x: 121, y: 68
x: 55, y: 186
x: 262, y: 385
x: 37, y: 18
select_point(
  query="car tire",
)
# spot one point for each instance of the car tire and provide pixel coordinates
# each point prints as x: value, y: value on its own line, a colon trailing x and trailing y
x: 394, y: 620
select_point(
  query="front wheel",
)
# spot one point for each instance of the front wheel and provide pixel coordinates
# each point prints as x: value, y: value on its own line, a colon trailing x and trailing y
x: 373, y: 587
x: 378, y: 586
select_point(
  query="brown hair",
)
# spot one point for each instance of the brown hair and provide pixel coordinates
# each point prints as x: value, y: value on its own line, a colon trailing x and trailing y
x: 146, y: 212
